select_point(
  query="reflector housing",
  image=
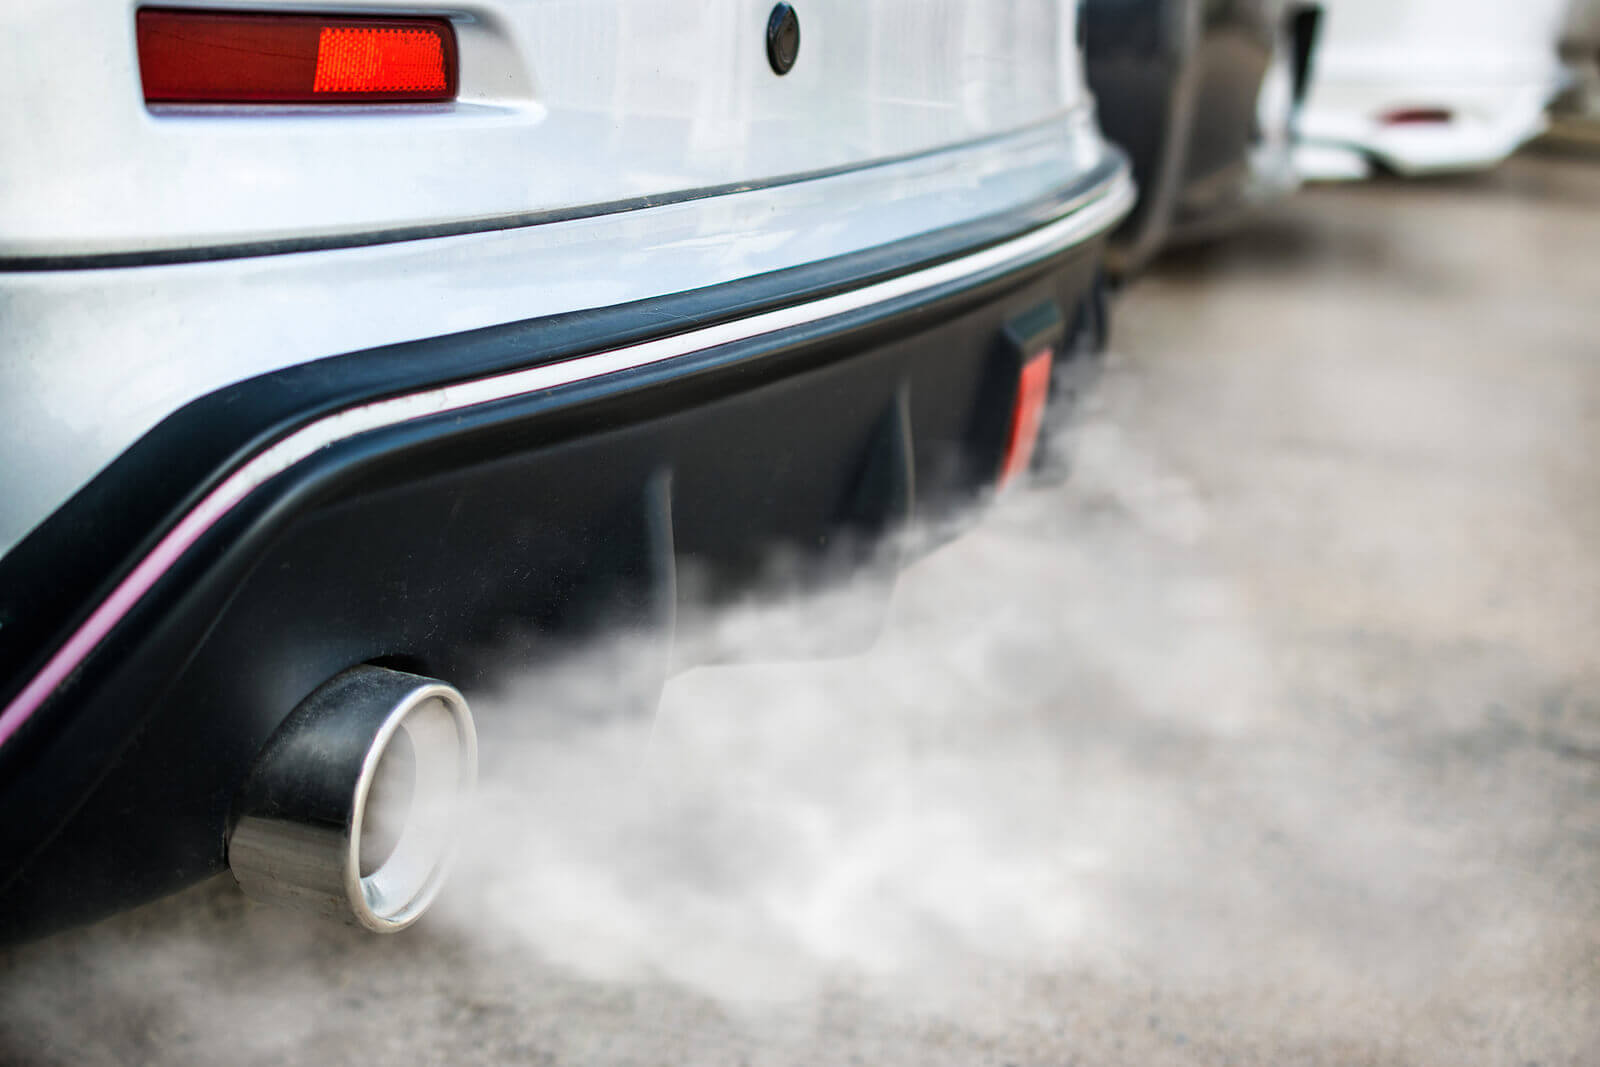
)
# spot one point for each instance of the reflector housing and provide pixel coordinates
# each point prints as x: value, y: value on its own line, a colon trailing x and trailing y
x: 211, y: 57
x: 1033, y: 390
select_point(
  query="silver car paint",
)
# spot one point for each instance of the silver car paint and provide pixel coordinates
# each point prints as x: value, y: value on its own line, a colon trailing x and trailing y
x: 563, y: 103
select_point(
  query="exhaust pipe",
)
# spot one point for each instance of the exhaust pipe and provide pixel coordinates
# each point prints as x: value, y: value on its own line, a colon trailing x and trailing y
x: 350, y: 809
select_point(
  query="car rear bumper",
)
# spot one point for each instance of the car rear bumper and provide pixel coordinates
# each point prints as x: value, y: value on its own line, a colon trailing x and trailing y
x: 1480, y: 124
x: 100, y: 349
x: 454, y: 505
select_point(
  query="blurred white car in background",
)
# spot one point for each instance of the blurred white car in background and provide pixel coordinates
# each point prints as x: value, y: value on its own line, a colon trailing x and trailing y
x: 1420, y: 86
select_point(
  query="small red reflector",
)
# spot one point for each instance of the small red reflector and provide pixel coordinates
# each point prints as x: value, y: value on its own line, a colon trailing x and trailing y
x: 205, y: 57
x: 1033, y: 389
x: 1416, y: 116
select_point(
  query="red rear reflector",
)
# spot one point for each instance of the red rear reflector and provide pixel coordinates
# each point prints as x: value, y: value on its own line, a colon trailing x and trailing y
x: 1416, y: 116
x: 1033, y: 389
x: 204, y: 57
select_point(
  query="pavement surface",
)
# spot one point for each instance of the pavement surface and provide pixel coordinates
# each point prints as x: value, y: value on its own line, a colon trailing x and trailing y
x: 1271, y: 736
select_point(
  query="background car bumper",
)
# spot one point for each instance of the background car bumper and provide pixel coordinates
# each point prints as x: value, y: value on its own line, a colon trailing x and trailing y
x: 1485, y: 124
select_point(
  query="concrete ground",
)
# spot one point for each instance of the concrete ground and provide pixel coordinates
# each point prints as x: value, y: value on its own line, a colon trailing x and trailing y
x: 1273, y: 736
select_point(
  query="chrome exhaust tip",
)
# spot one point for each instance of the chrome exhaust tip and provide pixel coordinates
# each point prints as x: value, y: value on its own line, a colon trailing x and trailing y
x: 350, y: 810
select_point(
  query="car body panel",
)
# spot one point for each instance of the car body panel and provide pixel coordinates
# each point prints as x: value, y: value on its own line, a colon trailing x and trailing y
x: 563, y: 104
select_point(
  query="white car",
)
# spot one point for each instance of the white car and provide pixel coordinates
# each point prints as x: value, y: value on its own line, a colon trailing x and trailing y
x: 353, y: 355
x: 1425, y: 86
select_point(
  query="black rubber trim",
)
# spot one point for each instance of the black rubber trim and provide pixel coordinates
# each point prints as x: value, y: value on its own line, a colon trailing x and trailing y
x: 53, y: 578
x: 514, y: 221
